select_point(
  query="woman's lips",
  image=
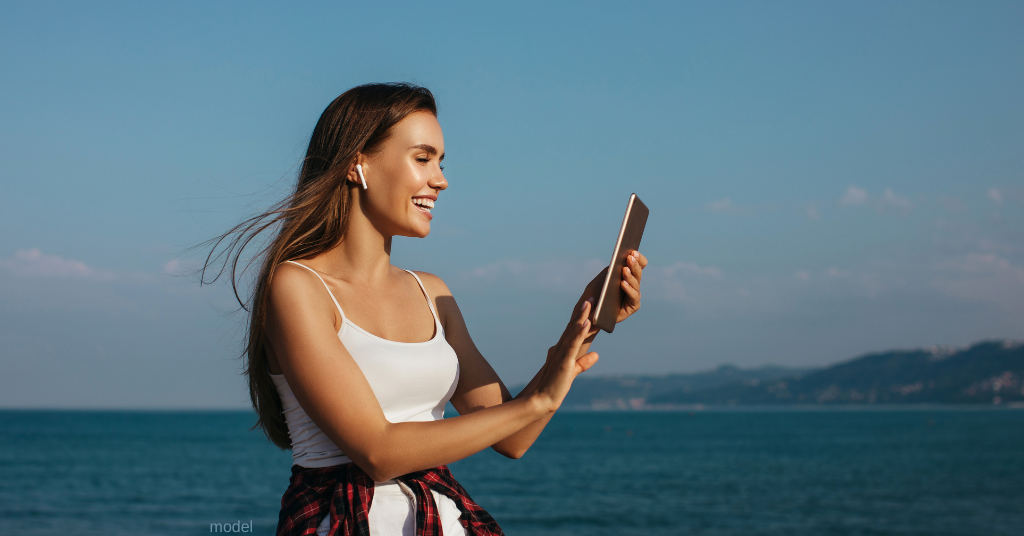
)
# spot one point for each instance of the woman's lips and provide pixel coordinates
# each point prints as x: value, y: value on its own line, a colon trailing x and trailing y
x: 424, y: 212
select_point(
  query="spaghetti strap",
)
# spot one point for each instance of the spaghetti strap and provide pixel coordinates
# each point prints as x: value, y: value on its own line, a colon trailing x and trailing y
x: 430, y: 302
x: 331, y: 294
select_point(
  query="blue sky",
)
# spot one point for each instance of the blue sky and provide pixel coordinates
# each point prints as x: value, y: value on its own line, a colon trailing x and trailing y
x: 824, y: 179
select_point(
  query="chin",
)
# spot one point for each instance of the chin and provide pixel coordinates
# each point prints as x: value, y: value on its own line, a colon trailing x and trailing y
x: 417, y: 232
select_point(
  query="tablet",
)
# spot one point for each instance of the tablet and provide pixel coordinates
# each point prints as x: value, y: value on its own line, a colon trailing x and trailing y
x: 611, y: 296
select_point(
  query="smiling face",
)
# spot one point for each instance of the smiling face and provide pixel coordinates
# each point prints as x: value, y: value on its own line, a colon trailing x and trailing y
x: 404, y: 176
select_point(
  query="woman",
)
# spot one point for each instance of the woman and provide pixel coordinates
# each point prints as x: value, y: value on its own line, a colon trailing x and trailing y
x: 351, y: 360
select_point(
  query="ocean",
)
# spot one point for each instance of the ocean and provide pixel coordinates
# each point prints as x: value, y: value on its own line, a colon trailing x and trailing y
x: 899, y: 471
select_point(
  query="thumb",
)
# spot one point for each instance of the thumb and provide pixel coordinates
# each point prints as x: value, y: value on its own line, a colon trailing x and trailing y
x: 585, y: 362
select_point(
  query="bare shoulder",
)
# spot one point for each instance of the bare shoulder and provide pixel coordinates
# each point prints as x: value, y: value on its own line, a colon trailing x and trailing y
x: 289, y: 279
x: 435, y: 286
x: 296, y: 287
x: 441, y: 296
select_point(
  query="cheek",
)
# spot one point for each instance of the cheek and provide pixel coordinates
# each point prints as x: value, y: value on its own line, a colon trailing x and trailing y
x: 397, y: 186
x: 393, y: 200
x: 396, y: 201
x: 419, y: 176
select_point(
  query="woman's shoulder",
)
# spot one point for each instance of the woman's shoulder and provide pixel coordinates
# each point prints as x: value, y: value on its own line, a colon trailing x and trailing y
x: 435, y: 285
x: 439, y: 294
x: 290, y: 275
x: 295, y: 283
x: 298, y: 292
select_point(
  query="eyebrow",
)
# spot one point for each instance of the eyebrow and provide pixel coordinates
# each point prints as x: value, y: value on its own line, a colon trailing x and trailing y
x: 428, y: 148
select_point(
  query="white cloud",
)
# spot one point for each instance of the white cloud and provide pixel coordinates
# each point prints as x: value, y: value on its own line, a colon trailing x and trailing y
x: 490, y: 271
x: 979, y: 263
x: 995, y: 195
x: 38, y: 281
x: 35, y: 263
x: 952, y: 204
x: 854, y: 196
x: 179, y: 267
x: 692, y: 268
x: 982, y: 277
x: 870, y: 279
x: 723, y: 205
x: 889, y: 200
x: 836, y: 272
x: 552, y: 274
x: 892, y: 201
x: 172, y: 267
x: 684, y: 281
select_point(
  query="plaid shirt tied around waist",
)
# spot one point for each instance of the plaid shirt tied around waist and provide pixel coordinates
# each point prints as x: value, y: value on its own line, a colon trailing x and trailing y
x: 346, y: 492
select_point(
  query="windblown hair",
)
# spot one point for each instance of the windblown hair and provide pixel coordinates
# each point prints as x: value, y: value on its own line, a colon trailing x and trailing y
x: 309, y: 222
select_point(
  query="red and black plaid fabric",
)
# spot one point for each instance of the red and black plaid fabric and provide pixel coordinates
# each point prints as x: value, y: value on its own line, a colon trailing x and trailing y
x: 346, y: 492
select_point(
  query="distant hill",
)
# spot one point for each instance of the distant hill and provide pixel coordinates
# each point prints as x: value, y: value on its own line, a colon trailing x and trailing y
x: 986, y: 373
x: 633, y: 391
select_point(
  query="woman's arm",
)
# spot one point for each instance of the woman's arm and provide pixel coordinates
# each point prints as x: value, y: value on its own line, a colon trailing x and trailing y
x: 328, y: 383
x: 480, y: 387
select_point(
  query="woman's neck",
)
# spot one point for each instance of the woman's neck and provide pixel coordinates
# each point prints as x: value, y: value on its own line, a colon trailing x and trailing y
x: 362, y: 258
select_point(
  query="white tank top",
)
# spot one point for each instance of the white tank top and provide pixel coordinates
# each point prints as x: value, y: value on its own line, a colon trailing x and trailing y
x: 413, y: 381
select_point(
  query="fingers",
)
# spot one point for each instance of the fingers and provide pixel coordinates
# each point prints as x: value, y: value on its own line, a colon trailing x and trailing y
x: 582, y: 327
x: 636, y: 263
x: 629, y: 277
x: 580, y: 314
x: 632, y: 293
x: 585, y: 362
x: 583, y: 311
x: 641, y: 259
x: 583, y: 320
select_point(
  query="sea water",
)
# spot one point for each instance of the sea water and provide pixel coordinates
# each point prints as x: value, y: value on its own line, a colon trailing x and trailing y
x: 927, y: 471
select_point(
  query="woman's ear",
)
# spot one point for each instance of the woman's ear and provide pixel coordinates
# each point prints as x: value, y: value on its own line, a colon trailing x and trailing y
x: 357, y: 172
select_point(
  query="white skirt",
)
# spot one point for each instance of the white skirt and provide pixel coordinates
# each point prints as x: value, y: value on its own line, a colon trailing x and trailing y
x: 393, y: 512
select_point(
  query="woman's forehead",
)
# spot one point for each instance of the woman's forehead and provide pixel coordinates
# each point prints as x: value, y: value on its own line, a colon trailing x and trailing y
x: 419, y: 128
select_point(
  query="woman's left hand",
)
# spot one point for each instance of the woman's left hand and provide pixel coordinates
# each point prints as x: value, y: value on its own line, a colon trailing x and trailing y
x: 632, y: 273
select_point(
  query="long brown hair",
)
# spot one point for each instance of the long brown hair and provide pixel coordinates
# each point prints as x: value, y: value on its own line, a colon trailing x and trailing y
x: 310, y: 221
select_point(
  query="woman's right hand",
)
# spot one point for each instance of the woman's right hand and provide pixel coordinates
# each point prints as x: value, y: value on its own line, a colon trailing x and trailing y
x: 563, y: 365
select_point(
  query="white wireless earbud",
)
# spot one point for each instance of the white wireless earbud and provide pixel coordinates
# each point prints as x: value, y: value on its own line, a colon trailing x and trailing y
x: 359, y: 171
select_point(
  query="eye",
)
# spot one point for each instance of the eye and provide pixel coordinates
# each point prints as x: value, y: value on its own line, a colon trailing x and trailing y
x: 426, y: 159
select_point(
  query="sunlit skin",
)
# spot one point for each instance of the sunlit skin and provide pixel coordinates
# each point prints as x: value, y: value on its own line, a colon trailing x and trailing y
x: 303, y: 325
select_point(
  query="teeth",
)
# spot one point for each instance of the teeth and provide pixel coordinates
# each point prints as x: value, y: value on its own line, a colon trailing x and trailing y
x: 425, y: 203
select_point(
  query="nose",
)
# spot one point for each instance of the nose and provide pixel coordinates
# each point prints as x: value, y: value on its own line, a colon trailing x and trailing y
x: 438, y: 181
